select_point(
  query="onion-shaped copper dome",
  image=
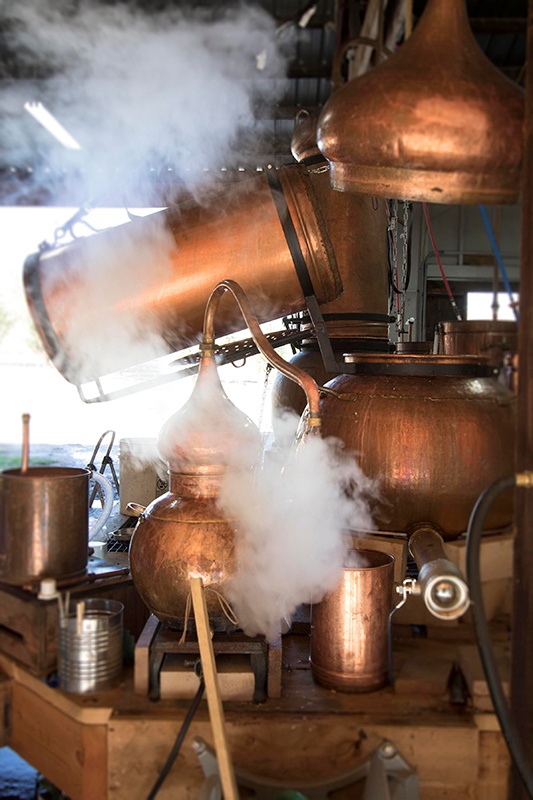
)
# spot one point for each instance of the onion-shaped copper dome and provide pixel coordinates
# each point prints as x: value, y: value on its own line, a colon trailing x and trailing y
x: 436, y: 122
x: 209, y: 433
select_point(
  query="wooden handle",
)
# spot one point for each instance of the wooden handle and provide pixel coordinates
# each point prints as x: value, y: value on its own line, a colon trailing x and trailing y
x: 25, y: 442
x: 214, y: 702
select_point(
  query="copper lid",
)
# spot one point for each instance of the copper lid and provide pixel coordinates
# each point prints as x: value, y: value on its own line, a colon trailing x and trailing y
x: 436, y: 122
x: 208, y: 433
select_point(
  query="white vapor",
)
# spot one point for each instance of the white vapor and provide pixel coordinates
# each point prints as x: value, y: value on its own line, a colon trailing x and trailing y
x: 140, y: 89
x: 291, y: 519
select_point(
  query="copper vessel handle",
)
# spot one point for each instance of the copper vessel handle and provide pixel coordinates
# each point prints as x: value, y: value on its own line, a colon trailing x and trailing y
x: 303, y: 379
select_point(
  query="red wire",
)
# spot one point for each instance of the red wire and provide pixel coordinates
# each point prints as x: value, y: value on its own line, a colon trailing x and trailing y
x: 439, y: 262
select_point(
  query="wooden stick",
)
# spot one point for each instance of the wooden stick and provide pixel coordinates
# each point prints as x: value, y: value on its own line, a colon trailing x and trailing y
x: 80, y: 611
x: 214, y: 702
x: 25, y: 442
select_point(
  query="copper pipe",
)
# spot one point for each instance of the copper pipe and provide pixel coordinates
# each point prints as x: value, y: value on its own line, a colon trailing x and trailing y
x: 25, y: 443
x: 444, y: 588
x: 305, y: 381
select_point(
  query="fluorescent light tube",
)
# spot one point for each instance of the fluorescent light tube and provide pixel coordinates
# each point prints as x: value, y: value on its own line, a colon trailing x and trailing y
x: 48, y: 121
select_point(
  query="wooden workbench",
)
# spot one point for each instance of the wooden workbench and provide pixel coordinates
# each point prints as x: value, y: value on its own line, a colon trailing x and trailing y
x: 113, y: 746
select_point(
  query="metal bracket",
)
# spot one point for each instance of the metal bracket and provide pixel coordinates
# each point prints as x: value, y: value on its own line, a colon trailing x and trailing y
x: 388, y: 777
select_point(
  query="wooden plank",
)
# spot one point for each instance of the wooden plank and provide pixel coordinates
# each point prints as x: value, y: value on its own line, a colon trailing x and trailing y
x: 394, y: 545
x: 5, y: 701
x: 79, y: 709
x: 295, y: 749
x: 178, y: 680
x: 216, y: 713
x: 275, y: 662
x: 472, y: 669
x: 493, y: 766
x: 495, y: 556
x: 425, y: 673
x: 72, y: 755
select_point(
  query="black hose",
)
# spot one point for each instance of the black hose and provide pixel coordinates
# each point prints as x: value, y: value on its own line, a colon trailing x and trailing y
x: 473, y: 542
x: 179, y: 741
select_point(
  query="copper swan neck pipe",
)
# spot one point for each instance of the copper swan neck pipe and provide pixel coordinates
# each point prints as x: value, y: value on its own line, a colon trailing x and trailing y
x: 305, y: 381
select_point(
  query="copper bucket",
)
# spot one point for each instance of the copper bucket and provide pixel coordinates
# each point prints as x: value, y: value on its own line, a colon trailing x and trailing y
x: 350, y: 627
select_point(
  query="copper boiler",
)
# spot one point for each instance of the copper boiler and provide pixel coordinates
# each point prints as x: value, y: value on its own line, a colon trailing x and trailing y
x: 143, y: 286
x: 435, y: 431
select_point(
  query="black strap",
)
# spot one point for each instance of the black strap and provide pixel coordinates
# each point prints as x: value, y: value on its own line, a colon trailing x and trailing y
x: 362, y: 316
x: 290, y: 233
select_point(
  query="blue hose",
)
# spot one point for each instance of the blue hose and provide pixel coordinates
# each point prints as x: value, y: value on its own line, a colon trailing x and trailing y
x: 498, y: 257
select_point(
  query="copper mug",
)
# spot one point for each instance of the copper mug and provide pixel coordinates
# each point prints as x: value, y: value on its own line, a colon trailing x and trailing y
x: 350, y: 626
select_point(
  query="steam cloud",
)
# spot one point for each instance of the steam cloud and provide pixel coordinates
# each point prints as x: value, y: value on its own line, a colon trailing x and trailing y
x: 291, y: 517
x: 138, y: 89
x: 167, y: 91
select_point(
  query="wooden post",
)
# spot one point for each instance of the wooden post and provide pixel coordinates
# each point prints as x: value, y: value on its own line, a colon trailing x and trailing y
x: 214, y: 703
x: 522, y: 622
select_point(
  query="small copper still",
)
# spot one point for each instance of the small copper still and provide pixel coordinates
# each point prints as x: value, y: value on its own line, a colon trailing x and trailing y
x: 349, y: 627
x: 183, y: 534
x: 436, y: 122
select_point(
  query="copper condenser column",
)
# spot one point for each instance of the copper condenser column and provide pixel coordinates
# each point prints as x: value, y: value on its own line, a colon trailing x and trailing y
x: 349, y: 630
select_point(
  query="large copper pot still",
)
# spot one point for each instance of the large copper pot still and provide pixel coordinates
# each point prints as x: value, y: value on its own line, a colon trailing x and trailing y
x: 434, y: 430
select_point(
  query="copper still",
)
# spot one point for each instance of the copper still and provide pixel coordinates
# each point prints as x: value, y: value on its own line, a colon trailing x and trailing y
x: 349, y: 627
x: 495, y: 340
x: 144, y: 285
x: 358, y: 318
x: 183, y: 534
x: 436, y: 122
x: 434, y: 430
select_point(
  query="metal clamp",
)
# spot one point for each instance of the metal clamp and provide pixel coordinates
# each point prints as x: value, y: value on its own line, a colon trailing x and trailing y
x: 388, y: 777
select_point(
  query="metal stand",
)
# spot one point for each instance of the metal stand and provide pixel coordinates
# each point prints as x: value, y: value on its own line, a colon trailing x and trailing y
x: 164, y: 640
x: 107, y: 461
x: 388, y: 777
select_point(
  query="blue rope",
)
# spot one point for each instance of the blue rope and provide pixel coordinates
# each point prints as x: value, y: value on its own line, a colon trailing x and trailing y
x: 498, y: 257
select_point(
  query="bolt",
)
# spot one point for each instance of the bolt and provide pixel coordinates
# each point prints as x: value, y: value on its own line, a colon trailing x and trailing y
x: 388, y: 750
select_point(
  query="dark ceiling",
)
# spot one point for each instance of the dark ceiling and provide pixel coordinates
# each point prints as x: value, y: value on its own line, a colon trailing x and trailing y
x: 38, y: 57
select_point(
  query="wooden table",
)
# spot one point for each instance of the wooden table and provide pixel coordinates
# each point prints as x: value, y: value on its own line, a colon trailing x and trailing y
x: 114, y: 745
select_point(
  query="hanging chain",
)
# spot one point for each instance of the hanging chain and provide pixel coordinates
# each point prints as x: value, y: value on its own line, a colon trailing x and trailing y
x: 404, y: 236
x: 393, y: 229
x: 268, y: 370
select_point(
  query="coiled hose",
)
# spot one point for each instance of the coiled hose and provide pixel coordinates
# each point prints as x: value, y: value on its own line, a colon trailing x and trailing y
x: 473, y: 542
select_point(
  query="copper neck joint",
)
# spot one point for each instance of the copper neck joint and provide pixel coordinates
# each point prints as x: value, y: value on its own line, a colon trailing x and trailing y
x: 305, y: 381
